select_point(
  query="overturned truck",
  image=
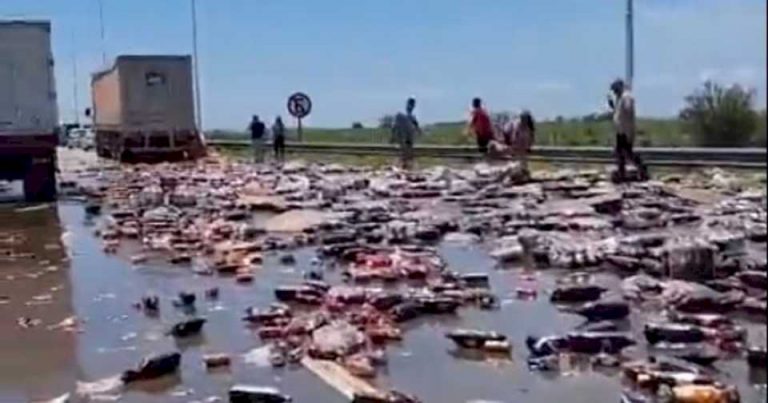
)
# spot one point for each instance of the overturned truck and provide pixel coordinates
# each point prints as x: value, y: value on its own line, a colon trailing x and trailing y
x: 143, y: 110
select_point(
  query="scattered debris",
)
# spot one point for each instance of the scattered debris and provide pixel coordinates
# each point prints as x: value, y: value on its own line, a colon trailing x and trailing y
x: 187, y: 328
x: 687, y: 263
x: 27, y: 323
x: 577, y: 293
x: 216, y: 360
x: 153, y: 367
x: 251, y: 394
x: 580, y: 342
x: 69, y: 324
x: 756, y: 357
x: 474, y: 339
x: 604, y: 310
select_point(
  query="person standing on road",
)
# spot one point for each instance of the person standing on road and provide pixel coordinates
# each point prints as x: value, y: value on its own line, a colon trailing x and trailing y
x: 404, y: 130
x: 622, y: 103
x: 479, y: 125
x: 257, y: 129
x: 278, y: 139
x: 523, y: 137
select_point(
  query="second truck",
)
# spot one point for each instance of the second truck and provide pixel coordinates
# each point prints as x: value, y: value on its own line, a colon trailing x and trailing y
x: 143, y: 110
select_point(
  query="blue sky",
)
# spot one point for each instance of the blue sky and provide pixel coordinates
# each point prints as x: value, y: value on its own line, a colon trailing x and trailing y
x: 360, y: 59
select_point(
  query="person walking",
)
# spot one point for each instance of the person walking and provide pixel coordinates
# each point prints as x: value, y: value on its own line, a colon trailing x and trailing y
x: 404, y: 130
x: 278, y: 139
x: 523, y: 137
x: 479, y: 125
x: 622, y: 103
x: 257, y: 129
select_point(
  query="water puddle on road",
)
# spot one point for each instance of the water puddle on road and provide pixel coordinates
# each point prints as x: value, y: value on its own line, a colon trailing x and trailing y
x: 81, y: 325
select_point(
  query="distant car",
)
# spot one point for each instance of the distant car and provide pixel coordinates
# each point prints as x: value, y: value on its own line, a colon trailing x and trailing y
x: 81, y: 138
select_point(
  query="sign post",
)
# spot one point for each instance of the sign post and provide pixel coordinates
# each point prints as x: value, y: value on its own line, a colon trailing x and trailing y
x: 299, y: 106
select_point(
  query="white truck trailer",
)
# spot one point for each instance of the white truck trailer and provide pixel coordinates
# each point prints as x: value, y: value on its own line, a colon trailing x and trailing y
x: 28, y: 109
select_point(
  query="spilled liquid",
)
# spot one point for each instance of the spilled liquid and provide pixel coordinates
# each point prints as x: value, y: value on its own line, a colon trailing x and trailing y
x: 40, y: 363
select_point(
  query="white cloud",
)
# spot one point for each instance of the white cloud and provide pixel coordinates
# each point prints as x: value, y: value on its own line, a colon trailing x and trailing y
x: 666, y: 12
x: 743, y: 75
x: 552, y: 86
x: 393, y: 95
x: 680, y: 44
x: 658, y: 80
x: 540, y: 86
x: 708, y: 74
x: 747, y: 75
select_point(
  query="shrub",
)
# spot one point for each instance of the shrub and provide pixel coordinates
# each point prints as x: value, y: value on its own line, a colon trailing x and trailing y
x: 720, y: 116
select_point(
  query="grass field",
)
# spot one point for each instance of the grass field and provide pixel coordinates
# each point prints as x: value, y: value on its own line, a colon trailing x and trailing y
x: 573, y: 132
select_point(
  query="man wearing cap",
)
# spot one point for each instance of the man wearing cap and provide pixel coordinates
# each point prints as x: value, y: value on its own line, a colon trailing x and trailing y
x: 623, y: 105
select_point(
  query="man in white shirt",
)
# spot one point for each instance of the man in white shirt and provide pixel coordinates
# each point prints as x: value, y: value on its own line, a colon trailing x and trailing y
x: 623, y: 106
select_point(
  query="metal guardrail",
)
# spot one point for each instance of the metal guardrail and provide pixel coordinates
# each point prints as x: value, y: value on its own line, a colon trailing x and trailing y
x: 747, y: 158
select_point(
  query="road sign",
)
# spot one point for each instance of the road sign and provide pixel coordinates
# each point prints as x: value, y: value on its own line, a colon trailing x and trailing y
x: 299, y: 105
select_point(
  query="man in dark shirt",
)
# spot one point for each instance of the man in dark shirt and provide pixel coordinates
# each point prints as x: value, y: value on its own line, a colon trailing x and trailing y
x: 257, y: 129
x: 278, y: 139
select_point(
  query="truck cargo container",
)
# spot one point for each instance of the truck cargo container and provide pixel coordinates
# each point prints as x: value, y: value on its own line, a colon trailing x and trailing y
x: 28, y: 109
x: 143, y: 110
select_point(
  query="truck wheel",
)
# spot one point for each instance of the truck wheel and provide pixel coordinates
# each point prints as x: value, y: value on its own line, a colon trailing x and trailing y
x: 40, y: 181
x: 126, y: 156
x: 102, y: 152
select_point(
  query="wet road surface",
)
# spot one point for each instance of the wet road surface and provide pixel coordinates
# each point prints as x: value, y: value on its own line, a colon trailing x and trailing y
x: 52, y: 267
x: 40, y: 362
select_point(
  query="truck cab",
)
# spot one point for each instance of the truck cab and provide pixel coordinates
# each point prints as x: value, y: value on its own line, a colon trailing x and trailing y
x: 28, y: 109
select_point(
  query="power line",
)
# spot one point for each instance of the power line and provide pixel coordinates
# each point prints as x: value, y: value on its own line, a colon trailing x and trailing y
x: 75, y: 94
x: 101, y: 32
x: 196, y: 67
x: 630, y: 43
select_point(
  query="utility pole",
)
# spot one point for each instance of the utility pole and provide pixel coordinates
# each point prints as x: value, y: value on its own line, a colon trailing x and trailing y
x: 75, y: 95
x: 101, y: 31
x: 630, y: 43
x: 196, y: 67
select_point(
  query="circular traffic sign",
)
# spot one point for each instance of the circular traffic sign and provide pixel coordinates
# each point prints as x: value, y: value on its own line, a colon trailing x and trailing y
x: 299, y: 105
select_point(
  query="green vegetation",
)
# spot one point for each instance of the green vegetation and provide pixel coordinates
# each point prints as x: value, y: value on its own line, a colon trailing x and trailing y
x: 571, y: 132
x: 713, y: 116
x: 761, y: 134
x: 721, y: 116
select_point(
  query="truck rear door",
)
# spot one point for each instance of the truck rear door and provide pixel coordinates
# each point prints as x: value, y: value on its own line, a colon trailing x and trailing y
x: 157, y: 95
x: 27, y: 88
x: 7, y: 95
